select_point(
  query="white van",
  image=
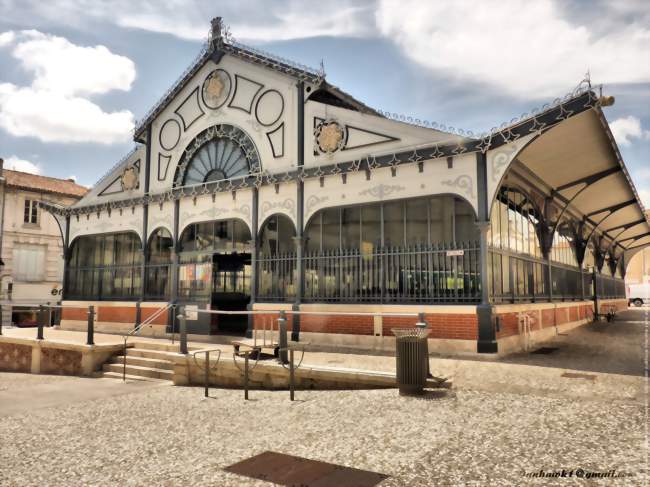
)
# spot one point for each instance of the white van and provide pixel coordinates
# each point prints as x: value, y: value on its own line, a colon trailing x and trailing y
x: 638, y: 294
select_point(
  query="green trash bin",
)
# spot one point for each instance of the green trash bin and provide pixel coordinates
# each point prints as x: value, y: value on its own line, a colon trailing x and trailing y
x: 412, y: 360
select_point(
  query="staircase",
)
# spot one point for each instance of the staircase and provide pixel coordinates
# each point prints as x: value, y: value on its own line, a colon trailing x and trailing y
x: 149, y: 361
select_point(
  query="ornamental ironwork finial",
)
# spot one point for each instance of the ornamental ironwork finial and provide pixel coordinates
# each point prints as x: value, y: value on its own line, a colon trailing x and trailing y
x: 216, y: 27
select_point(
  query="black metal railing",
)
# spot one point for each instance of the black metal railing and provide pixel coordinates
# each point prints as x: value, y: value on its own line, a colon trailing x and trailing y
x: 566, y: 283
x: 104, y: 283
x: 515, y: 278
x: 277, y: 276
x: 158, y: 282
x: 444, y: 273
x: 609, y: 287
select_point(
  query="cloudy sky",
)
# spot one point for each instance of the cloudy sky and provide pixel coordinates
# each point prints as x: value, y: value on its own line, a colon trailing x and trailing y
x: 75, y: 75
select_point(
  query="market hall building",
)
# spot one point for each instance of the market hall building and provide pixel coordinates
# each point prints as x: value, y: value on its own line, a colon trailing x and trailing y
x: 257, y: 185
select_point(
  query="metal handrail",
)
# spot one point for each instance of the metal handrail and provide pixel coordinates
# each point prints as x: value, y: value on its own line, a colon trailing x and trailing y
x: 137, y: 329
x: 295, y: 312
x: 208, y: 369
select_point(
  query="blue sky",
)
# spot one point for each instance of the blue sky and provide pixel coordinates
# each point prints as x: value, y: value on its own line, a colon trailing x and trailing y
x: 75, y: 75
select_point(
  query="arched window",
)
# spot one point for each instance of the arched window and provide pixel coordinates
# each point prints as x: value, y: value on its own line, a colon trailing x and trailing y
x: 218, y: 153
x: 562, y: 250
x: 158, y: 268
x: 221, y: 236
x: 517, y: 270
x: 277, y: 261
x: 200, y: 247
x: 276, y: 236
x: 414, y: 250
x: 402, y: 223
x: 104, y: 266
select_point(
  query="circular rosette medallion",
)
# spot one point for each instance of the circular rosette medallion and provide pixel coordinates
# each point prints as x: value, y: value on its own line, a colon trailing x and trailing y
x: 330, y: 136
x: 215, y: 89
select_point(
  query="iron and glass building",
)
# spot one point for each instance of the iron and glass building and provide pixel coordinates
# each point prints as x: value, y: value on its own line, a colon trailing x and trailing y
x: 257, y: 185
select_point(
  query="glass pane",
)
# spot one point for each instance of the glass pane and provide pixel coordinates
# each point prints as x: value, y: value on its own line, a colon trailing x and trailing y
x: 241, y: 236
x: 96, y: 256
x: 393, y: 224
x: 223, y: 236
x: 286, y: 233
x: 466, y: 229
x: 331, y: 236
x: 417, y: 228
x: 442, y: 212
x: 205, y: 236
x: 108, y: 253
x: 160, y: 247
x: 123, y: 250
x: 312, y: 233
x: 350, y: 228
x: 188, y: 239
x: 370, y: 228
x: 269, y: 237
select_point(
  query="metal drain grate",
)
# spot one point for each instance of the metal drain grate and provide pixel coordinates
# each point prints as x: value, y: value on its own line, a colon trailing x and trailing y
x: 572, y: 375
x: 291, y: 470
x: 545, y: 350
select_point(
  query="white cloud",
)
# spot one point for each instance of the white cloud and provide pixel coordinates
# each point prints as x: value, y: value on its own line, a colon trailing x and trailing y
x: 628, y: 128
x: 56, y: 107
x: 190, y: 19
x: 17, y: 164
x: 6, y: 38
x: 528, y: 49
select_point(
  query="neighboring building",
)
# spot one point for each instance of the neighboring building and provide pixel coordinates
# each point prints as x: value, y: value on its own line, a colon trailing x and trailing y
x: 638, y: 270
x: 31, y: 241
x: 257, y: 185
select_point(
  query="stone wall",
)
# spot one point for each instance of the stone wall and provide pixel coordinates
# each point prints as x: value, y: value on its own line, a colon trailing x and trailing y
x: 50, y: 357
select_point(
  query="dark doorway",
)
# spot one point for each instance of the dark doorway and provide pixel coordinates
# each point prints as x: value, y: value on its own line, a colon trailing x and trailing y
x: 231, y: 275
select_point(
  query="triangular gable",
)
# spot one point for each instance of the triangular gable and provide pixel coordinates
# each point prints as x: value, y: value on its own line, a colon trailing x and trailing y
x: 362, y: 134
x: 218, y: 46
x: 110, y: 187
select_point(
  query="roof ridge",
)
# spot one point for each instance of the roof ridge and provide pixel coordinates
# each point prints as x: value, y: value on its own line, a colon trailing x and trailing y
x: 43, y: 176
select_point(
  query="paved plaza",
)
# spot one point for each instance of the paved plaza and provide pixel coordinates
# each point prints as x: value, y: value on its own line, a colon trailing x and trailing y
x: 520, y: 418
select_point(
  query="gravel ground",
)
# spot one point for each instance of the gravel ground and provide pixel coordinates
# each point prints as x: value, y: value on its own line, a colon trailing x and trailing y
x: 172, y: 436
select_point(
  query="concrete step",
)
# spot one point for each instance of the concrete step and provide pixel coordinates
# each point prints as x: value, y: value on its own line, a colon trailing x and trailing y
x: 139, y: 370
x: 154, y: 363
x: 116, y: 375
x: 146, y: 353
x: 164, y: 346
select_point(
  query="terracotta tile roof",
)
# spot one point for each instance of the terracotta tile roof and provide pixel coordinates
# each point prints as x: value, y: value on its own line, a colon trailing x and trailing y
x: 46, y: 184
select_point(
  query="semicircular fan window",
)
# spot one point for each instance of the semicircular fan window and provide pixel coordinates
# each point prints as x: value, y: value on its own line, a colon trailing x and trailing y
x: 218, y: 159
x: 219, y: 152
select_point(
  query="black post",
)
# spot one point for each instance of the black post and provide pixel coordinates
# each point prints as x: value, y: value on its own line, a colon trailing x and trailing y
x: 246, y: 376
x: 300, y: 215
x: 183, y: 330
x: 487, y: 342
x: 291, y: 375
x: 207, y: 372
x: 0, y: 319
x: 175, y: 263
x: 595, y: 287
x: 91, y: 326
x: 282, y: 337
x: 255, y: 246
x: 138, y: 315
x: 145, y: 219
x: 41, y: 318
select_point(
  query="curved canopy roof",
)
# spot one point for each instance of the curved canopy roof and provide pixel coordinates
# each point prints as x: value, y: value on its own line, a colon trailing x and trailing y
x: 580, y: 162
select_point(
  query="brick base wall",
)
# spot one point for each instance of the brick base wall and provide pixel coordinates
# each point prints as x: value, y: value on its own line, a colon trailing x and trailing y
x: 542, y: 316
x: 460, y: 326
x: 111, y: 313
